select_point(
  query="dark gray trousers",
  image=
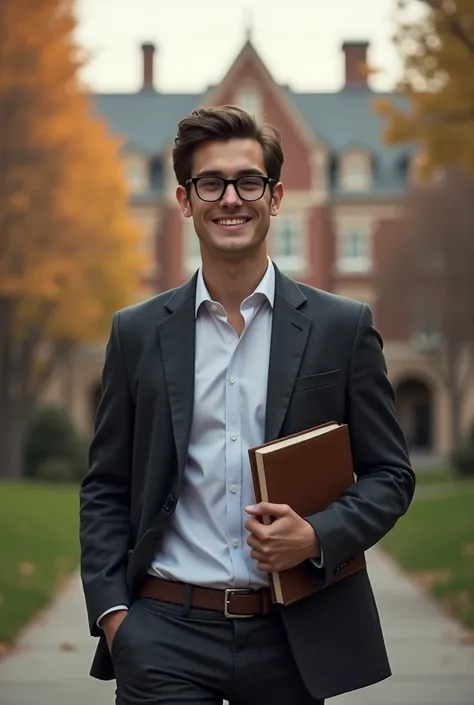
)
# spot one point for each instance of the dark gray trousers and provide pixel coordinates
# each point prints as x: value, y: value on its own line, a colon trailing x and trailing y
x: 164, y: 653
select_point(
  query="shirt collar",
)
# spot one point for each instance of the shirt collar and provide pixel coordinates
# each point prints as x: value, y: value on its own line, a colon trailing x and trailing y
x: 265, y: 288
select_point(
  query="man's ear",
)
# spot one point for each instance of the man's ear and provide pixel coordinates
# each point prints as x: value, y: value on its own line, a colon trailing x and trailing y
x: 184, y: 202
x: 277, y: 197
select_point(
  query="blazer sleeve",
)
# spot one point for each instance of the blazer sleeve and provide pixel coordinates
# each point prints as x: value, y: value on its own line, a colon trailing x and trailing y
x: 105, y: 490
x: 385, y: 480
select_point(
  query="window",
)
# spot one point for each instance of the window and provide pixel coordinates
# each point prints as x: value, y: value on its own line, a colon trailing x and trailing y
x: 191, y: 249
x: 137, y: 174
x: 287, y: 240
x: 354, y: 254
x: 149, y: 226
x: 355, y: 172
x: 250, y: 100
x: 426, y: 329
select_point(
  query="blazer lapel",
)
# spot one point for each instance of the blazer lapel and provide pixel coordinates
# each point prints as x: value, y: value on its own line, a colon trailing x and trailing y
x: 177, y: 340
x: 290, y: 330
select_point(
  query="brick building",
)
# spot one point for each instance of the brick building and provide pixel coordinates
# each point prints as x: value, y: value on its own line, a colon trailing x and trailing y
x: 343, y: 190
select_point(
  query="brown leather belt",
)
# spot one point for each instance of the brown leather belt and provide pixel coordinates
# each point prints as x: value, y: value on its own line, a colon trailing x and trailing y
x: 235, y: 603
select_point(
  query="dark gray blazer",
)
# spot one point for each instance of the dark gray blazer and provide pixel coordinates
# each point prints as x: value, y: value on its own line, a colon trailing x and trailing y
x: 326, y: 364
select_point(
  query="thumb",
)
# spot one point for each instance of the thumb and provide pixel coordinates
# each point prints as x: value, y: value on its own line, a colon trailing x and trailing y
x: 267, y: 508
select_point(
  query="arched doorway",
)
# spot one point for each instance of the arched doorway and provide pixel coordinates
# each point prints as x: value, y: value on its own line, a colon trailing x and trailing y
x: 416, y: 414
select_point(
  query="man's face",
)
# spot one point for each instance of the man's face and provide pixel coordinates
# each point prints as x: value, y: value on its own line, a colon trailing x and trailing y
x: 231, y: 228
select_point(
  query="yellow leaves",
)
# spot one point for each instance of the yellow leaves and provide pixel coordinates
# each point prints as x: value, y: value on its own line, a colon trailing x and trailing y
x: 19, y: 201
x: 67, y: 646
x: 438, y: 82
x: 26, y: 569
x: 429, y: 578
x: 66, y: 235
x: 399, y: 127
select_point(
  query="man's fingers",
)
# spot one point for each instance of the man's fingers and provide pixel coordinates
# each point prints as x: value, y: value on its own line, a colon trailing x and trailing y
x: 268, y: 509
x: 257, y: 555
x: 265, y: 567
x: 256, y: 528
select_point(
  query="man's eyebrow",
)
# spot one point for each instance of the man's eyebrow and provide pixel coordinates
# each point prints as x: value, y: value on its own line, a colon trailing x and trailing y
x: 252, y: 171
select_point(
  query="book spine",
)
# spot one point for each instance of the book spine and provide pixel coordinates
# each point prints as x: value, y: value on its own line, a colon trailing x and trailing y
x: 262, y: 483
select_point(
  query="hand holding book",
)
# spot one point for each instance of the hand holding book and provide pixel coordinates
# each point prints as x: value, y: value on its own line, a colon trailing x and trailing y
x: 307, y: 471
x: 284, y: 543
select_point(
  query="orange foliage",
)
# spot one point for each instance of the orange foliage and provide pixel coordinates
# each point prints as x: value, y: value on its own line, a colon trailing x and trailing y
x: 66, y: 236
x: 437, y: 50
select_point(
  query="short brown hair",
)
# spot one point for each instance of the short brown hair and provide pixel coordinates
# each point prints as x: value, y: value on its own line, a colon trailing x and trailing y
x: 222, y: 124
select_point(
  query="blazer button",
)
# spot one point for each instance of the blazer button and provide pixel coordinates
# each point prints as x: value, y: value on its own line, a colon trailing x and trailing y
x: 169, y: 504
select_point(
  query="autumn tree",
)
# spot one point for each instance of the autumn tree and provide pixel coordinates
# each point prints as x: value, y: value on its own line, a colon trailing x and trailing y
x: 437, y: 49
x: 427, y: 278
x: 69, y: 250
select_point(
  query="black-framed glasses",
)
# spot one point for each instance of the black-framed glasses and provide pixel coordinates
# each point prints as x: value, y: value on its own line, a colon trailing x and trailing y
x: 248, y: 188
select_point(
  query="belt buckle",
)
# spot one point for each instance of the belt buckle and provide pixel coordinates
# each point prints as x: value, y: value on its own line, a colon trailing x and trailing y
x: 237, y: 591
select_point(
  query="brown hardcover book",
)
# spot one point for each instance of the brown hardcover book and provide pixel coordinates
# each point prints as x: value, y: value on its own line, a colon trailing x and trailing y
x: 308, y: 471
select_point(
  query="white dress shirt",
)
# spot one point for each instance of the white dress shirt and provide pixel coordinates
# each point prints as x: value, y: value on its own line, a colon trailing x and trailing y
x: 206, y: 540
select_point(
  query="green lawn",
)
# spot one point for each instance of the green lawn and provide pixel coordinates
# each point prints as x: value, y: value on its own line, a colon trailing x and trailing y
x: 434, y: 541
x: 434, y: 477
x: 39, y: 547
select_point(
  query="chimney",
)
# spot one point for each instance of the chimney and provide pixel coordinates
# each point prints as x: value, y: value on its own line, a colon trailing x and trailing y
x: 356, y: 64
x: 148, y: 51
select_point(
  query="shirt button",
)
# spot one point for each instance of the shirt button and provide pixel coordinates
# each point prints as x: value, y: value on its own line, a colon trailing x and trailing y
x: 235, y: 542
x: 233, y: 489
x: 233, y: 436
x: 214, y: 307
x: 232, y: 380
x: 231, y: 339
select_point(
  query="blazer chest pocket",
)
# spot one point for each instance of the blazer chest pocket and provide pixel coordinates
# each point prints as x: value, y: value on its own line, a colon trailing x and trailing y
x: 319, y: 381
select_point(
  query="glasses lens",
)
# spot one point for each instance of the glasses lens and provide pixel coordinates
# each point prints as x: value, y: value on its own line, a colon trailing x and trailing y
x: 250, y: 188
x: 210, y: 188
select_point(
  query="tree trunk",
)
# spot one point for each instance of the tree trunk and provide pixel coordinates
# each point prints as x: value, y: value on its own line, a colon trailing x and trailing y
x: 15, y: 403
x: 6, y: 317
x: 14, y: 418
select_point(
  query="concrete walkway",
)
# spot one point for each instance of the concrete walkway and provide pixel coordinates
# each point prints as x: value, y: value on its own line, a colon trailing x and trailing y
x: 430, y: 663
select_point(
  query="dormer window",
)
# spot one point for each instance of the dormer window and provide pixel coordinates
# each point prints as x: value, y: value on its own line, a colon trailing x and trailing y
x: 355, y: 172
x: 250, y: 100
x: 136, y: 169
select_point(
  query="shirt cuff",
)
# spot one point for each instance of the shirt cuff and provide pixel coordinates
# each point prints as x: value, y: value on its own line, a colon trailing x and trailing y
x: 318, y: 562
x: 112, y: 609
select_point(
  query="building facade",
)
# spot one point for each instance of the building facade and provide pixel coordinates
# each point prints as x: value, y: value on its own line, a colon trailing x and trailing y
x: 343, y: 192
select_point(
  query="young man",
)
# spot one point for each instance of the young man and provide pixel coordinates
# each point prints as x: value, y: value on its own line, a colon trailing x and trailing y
x: 174, y: 558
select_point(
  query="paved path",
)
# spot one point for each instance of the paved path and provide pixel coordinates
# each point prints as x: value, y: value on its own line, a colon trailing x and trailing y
x: 430, y: 664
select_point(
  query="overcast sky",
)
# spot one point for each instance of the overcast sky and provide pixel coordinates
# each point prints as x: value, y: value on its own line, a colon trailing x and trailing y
x: 299, y: 40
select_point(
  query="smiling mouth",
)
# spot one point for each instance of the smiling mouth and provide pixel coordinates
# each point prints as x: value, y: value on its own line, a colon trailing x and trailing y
x: 231, y: 222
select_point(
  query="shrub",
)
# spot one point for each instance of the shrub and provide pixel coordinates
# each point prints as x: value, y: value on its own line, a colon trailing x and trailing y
x: 462, y: 458
x: 53, y: 436
x: 56, y: 470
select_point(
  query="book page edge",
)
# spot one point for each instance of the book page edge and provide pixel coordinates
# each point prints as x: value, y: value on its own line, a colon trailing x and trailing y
x: 297, y: 439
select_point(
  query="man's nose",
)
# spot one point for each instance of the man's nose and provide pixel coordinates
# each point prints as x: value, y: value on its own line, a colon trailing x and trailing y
x: 230, y: 197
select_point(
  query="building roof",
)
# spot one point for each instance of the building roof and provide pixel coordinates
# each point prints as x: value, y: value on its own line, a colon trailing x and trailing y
x: 342, y: 120
x: 147, y: 120
x: 346, y: 119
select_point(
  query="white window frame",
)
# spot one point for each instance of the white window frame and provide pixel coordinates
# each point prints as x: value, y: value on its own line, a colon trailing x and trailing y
x: 148, y: 222
x: 136, y: 171
x: 356, y: 172
x: 360, y: 261
x: 292, y: 224
x: 250, y: 99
